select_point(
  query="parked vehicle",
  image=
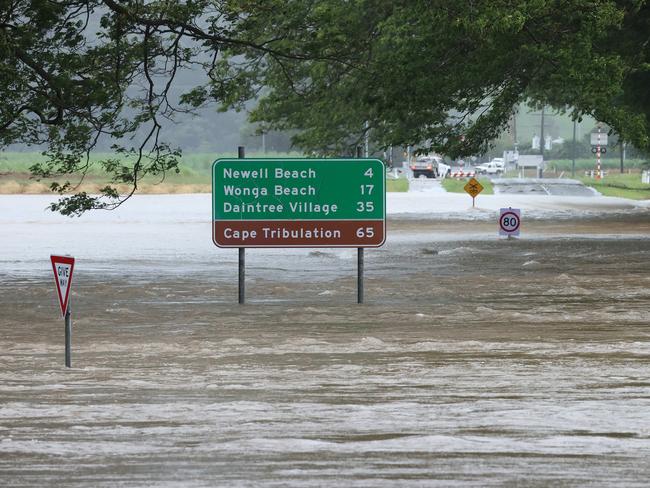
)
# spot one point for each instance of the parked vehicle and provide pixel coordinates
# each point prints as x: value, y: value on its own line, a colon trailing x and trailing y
x: 500, y: 162
x: 490, y: 168
x: 424, y: 166
x: 430, y: 167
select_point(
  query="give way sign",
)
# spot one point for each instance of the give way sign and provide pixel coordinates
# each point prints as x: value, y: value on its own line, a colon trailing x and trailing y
x: 63, y: 267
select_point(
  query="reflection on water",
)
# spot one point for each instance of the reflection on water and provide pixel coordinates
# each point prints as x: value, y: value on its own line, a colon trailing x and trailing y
x: 474, y: 363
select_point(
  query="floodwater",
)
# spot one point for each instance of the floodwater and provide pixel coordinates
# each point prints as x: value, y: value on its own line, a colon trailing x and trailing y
x: 474, y: 361
x: 546, y: 186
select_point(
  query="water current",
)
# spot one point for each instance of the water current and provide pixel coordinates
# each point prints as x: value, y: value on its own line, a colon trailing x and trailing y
x: 474, y: 361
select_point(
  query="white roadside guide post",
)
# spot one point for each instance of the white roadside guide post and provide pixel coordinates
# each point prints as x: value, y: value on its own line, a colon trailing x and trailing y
x: 599, y: 147
x: 509, y: 222
x: 63, y: 266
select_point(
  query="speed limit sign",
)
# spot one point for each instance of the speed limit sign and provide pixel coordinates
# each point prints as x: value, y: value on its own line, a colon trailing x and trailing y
x: 509, y: 221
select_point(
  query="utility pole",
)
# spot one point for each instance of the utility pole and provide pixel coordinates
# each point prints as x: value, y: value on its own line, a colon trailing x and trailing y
x: 366, y: 140
x: 622, y: 150
x: 573, y: 153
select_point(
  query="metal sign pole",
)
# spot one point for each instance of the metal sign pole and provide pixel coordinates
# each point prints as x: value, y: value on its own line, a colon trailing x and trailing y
x: 360, y: 275
x: 242, y: 253
x: 360, y: 249
x: 68, y: 337
x: 242, y: 274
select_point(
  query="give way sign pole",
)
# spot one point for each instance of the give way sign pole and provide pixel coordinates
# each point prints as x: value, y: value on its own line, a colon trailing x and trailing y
x: 63, y: 266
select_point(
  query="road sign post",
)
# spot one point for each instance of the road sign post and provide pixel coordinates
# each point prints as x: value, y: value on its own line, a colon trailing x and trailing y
x: 473, y: 188
x: 360, y: 249
x: 299, y: 203
x: 63, y: 267
x: 68, y: 337
x: 509, y: 222
x: 360, y: 275
x: 242, y: 252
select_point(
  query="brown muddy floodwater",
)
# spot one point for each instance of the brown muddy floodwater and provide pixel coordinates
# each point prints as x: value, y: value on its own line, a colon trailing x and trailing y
x: 474, y: 362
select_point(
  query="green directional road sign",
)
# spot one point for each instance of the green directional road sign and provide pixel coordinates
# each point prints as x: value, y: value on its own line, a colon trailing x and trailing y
x: 298, y: 202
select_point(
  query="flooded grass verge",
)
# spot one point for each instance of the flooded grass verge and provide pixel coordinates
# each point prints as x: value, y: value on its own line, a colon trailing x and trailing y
x: 621, y: 185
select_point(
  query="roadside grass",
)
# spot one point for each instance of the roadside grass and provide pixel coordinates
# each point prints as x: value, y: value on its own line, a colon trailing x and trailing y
x: 582, y: 165
x: 620, y: 185
x: 398, y: 185
x: 15, y: 177
x: 193, y: 177
x: 454, y: 185
x: 199, y: 163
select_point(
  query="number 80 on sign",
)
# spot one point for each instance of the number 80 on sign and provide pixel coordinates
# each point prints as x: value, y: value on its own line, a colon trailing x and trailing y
x: 509, y: 221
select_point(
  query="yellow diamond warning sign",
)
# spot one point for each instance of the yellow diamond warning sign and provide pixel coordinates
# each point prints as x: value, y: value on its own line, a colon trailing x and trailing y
x: 473, y: 187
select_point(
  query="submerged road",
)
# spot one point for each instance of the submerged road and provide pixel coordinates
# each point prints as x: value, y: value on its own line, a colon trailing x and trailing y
x: 474, y: 362
x: 546, y: 186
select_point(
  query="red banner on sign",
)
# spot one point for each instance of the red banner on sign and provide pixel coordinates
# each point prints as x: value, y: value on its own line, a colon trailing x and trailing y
x: 299, y: 233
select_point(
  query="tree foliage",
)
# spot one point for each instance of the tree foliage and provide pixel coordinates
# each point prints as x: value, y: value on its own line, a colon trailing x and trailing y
x: 77, y: 72
x: 439, y: 73
x: 449, y: 74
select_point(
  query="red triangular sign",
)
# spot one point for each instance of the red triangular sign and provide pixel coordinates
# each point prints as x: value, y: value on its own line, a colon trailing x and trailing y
x: 63, y: 267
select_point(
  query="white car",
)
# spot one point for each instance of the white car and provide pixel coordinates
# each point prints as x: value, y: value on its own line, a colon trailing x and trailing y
x: 500, y: 162
x: 490, y: 168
